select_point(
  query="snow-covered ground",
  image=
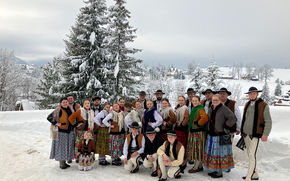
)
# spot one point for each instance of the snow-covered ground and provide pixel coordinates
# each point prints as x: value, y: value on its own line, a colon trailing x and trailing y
x: 25, y: 148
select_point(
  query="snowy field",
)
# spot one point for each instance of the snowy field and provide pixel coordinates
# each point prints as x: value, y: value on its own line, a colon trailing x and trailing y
x: 25, y: 148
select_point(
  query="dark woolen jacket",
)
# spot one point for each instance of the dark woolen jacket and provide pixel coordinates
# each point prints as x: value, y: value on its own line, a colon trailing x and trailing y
x: 220, y: 119
x: 152, y: 147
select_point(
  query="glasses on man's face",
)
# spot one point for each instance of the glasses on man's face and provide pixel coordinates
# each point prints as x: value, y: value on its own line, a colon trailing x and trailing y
x: 215, y: 100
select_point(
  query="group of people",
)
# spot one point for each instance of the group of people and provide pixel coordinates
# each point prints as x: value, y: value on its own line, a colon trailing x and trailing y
x: 152, y: 133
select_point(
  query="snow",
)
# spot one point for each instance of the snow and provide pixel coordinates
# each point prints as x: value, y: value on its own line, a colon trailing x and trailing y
x: 25, y: 149
x: 116, y: 70
x: 92, y: 38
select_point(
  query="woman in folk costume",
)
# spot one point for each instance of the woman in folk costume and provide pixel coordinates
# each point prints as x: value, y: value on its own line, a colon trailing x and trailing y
x: 139, y: 109
x: 82, y: 119
x: 103, y: 136
x: 182, y: 117
x: 86, y: 148
x: 151, y: 117
x: 62, y: 148
x: 168, y: 116
x: 196, y: 135
x: 115, y: 121
x: 218, y: 155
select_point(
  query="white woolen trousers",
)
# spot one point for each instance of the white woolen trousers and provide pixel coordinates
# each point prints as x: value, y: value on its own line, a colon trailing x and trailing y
x: 148, y: 164
x: 132, y: 163
x: 252, y: 147
x: 172, y: 171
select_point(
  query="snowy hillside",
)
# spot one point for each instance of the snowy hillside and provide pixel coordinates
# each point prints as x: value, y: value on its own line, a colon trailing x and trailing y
x: 25, y: 148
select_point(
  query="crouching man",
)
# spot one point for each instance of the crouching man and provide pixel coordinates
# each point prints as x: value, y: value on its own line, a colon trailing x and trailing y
x: 170, y: 154
x: 133, y: 148
x: 152, y: 143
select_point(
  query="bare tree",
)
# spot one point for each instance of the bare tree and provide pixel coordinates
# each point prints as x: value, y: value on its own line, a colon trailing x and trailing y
x: 10, y: 77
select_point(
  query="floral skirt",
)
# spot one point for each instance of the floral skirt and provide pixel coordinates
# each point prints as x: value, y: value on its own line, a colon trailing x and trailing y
x: 103, y: 139
x: 217, y: 157
x: 62, y: 149
x: 78, y: 138
x: 195, y: 145
x: 116, y: 145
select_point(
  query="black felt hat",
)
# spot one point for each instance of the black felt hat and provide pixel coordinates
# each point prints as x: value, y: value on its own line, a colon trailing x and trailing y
x: 253, y: 89
x: 208, y: 91
x: 134, y: 125
x: 171, y: 132
x: 150, y: 130
x: 159, y: 92
x: 224, y: 90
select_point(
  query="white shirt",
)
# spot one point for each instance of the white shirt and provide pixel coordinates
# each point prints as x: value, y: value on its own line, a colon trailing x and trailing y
x: 98, y: 118
x: 125, y: 148
x: 158, y: 119
x: 158, y: 106
x: 206, y: 107
x: 238, y: 116
x: 107, y: 118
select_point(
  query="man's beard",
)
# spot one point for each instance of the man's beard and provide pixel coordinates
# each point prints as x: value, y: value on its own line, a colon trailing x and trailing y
x: 253, y: 99
x: 159, y: 98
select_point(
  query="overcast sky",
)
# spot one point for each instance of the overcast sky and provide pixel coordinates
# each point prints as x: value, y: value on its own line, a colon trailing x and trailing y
x: 169, y: 31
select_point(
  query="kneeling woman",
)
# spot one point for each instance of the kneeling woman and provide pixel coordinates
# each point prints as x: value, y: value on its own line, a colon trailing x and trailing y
x: 62, y: 148
x: 218, y: 149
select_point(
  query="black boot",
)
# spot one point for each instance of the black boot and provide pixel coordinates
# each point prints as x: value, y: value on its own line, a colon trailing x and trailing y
x: 103, y: 162
x: 154, y: 173
x: 135, y: 170
x: 217, y: 175
x: 116, y: 162
x: 63, y: 165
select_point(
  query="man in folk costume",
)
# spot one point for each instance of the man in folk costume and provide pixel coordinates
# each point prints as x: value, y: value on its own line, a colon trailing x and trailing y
x: 132, y: 116
x: 96, y: 107
x: 82, y: 119
x: 190, y: 93
x: 152, y: 143
x: 232, y: 105
x: 170, y: 154
x: 103, y: 136
x: 256, y: 124
x: 115, y: 121
x: 72, y: 104
x: 86, y: 148
x: 142, y: 99
x: 133, y: 148
x: 208, y: 93
x: 121, y: 103
x: 158, y: 102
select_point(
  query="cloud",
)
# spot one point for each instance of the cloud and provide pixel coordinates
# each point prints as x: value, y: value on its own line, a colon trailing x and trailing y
x: 168, y: 30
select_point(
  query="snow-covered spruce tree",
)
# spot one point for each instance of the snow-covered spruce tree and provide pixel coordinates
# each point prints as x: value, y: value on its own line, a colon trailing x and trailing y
x: 212, y: 75
x: 266, y: 93
x: 197, y: 80
x: 278, y: 90
x: 126, y: 67
x: 50, y: 85
x: 86, y: 66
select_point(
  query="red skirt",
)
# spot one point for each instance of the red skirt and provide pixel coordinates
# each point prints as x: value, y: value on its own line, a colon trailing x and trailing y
x: 182, y: 137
